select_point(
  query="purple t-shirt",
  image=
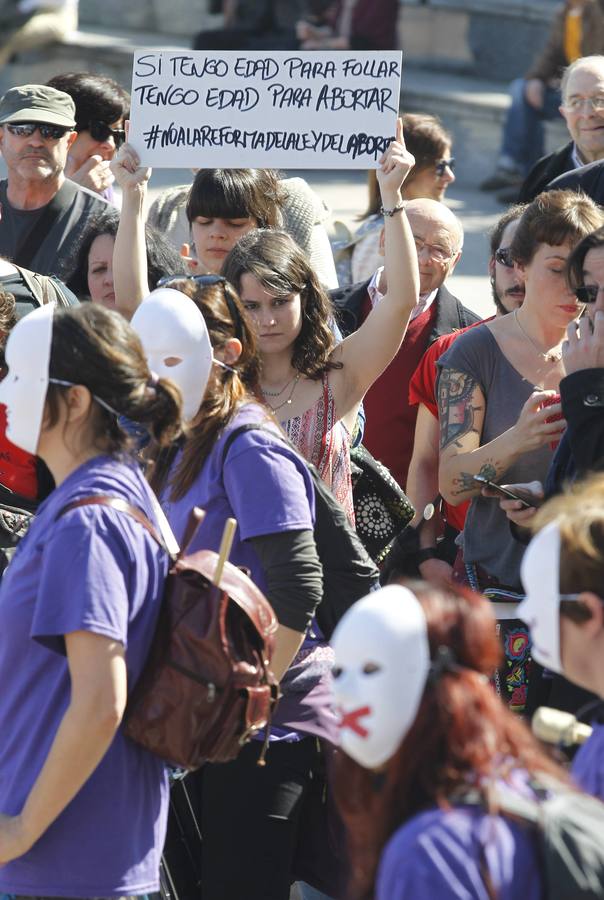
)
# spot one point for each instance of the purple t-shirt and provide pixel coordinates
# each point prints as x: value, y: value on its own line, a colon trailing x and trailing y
x: 439, y: 853
x: 97, y: 570
x: 588, y: 764
x: 267, y: 488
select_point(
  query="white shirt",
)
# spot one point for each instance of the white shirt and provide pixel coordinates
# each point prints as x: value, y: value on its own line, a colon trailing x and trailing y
x: 375, y: 295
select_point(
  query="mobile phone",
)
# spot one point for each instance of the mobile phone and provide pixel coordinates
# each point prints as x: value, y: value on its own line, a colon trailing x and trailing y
x: 503, y: 491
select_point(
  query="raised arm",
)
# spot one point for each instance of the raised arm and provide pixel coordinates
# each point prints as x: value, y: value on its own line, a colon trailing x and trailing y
x: 368, y: 351
x: 130, y: 276
x: 461, y: 411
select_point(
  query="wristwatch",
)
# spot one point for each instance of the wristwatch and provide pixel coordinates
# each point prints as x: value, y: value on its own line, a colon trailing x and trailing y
x: 395, y: 209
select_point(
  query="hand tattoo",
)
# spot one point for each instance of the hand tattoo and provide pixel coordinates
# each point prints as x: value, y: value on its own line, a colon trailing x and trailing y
x: 465, y: 482
x: 455, y: 410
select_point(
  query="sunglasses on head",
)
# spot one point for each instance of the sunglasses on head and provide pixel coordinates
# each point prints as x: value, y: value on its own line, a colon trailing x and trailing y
x: 504, y: 257
x: 48, y: 132
x: 100, y: 131
x: 208, y: 281
x: 444, y: 164
x: 587, y: 293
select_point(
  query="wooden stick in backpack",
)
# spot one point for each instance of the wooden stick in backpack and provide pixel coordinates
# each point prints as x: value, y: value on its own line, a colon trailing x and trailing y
x: 225, y: 548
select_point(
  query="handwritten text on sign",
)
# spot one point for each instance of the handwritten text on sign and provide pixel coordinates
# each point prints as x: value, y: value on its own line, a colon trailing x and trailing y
x: 292, y: 110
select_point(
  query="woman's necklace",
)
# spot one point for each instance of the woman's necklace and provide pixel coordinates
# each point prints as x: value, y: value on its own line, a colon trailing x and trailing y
x: 278, y: 393
x: 551, y: 356
x: 288, y: 401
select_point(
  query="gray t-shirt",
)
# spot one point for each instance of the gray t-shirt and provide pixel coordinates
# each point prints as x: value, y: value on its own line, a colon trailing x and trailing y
x: 487, y: 539
x: 60, y: 238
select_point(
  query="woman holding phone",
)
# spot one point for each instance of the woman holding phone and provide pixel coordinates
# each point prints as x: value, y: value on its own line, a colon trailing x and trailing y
x: 500, y: 415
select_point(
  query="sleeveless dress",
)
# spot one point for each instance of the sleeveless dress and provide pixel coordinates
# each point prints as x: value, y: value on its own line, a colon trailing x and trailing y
x: 324, y: 441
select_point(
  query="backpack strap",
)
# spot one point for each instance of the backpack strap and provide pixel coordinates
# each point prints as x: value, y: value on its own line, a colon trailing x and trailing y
x: 121, y: 506
x: 32, y: 241
x: 45, y: 288
x: 253, y: 426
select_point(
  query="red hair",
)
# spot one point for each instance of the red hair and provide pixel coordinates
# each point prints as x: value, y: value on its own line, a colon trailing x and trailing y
x: 462, y: 733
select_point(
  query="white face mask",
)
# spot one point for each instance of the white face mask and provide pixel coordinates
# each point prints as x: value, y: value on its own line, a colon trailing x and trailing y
x: 176, y: 342
x: 540, y: 572
x: 24, y: 388
x: 382, y: 663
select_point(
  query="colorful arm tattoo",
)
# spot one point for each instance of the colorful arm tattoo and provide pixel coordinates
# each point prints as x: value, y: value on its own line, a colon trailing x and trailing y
x: 455, y: 409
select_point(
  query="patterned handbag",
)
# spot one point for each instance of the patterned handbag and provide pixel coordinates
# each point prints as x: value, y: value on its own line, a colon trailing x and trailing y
x: 381, y: 507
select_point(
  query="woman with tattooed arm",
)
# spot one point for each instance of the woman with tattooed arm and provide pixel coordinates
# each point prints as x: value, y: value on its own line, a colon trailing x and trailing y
x: 500, y: 415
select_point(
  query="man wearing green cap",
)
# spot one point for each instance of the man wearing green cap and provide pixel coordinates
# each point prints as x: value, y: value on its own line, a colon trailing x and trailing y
x: 41, y: 212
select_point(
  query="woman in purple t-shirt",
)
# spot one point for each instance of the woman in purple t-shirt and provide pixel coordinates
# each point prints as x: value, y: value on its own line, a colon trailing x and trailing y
x: 82, y: 809
x: 421, y: 728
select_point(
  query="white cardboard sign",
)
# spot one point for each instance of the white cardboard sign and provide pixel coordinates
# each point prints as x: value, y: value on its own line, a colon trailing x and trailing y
x: 302, y: 110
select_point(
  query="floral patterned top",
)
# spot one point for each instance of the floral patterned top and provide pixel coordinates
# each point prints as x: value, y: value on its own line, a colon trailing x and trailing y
x: 324, y: 440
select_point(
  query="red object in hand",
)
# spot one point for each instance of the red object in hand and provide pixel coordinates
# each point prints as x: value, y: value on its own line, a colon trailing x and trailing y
x: 555, y: 418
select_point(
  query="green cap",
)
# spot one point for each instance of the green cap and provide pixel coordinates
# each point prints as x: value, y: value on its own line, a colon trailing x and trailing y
x: 37, y: 103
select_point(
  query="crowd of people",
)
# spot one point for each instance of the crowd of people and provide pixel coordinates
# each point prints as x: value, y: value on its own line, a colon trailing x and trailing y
x: 210, y: 352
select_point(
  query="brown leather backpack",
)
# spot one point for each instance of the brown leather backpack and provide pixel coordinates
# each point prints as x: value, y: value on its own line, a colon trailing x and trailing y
x: 207, y: 687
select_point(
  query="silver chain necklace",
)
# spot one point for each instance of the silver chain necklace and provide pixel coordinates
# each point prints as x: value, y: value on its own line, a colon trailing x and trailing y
x: 288, y: 401
x: 278, y: 393
x: 551, y: 356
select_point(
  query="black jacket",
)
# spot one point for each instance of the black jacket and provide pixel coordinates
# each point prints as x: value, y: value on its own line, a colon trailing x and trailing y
x: 451, y: 314
x: 581, y: 449
x: 589, y: 179
x: 545, y: 170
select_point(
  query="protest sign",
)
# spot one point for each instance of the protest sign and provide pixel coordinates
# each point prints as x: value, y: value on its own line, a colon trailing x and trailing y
x: 304, y: 110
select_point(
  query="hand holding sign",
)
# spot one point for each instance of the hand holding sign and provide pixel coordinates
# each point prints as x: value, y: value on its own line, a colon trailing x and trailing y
x: 128, y: 172
x: 395, y: 165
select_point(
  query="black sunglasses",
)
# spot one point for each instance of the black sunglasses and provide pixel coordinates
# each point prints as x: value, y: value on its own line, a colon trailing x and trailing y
x: 100, y: 131
x: 444, y: 164
x: 587, y: 293
x: 504, y: 257
x: 208, y: 281
x: 48, y: 132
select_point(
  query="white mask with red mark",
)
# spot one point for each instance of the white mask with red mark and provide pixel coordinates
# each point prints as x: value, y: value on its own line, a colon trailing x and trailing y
x: 24, y: 388
x: 382, y: 661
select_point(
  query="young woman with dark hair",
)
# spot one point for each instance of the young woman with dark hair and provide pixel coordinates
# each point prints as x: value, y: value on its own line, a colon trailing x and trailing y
x: 83, y: 808
x: 89, y: 270
x: 420, y: 727
x: 224, y: 204
x: 500, y: 414
x: 313, y: 385
x: 247, y: 813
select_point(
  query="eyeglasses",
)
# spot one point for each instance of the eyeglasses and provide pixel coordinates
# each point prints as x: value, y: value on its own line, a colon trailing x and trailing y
x: 48, y: 132
x: 438, y: 253
x: 207, y: 281
x: 443, y: 164
x: 576, y: 104
x: 587, y: 293
x: 504, y: 257
x: 100, y: 131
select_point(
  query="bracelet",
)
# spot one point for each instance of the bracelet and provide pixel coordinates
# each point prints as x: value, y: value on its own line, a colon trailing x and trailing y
x: 425, y: 554
x: 395, y: 209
